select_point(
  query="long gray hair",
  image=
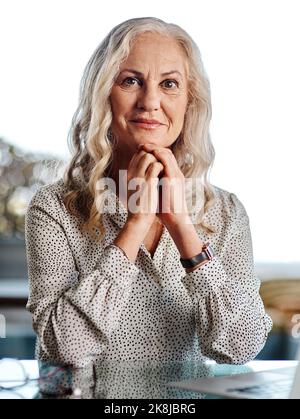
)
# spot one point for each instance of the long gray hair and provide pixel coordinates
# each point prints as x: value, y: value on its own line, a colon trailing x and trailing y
x: 90, y: 138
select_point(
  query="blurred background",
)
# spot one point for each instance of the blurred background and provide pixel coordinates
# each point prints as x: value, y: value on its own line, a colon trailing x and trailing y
x: 251, y: 54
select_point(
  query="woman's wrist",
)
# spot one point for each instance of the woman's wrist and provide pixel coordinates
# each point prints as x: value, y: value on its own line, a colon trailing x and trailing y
x: 188, y: 270
x: 130, y: 238
x: 187, y: 240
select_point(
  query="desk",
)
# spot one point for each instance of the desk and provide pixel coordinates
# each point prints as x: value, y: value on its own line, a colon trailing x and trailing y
x: 131, y: 380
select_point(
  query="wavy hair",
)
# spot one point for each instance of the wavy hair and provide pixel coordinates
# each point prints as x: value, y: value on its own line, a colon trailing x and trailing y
x: 91, y: 141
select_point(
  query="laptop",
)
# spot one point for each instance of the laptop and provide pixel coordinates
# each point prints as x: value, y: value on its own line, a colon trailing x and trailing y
x: 283, y: 383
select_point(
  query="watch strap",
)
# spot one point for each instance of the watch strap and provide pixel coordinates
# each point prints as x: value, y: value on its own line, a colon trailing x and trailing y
x: 206, y: 254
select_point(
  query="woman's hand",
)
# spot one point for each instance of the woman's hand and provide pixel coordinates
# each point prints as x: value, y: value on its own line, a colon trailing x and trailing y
x: 143, y: 170
x: 172, y: 203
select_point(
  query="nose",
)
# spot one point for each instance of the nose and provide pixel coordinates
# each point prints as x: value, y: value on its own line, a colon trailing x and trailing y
x: 149, y: 98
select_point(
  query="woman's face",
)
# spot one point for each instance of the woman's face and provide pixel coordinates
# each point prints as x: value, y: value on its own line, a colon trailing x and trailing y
x: 152, y: 85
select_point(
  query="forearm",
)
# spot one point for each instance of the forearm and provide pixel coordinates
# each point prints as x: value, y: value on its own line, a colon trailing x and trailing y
x: 91, y: 305
x: 131, y: 237
x: 187, y: 241
x: 231, y: 322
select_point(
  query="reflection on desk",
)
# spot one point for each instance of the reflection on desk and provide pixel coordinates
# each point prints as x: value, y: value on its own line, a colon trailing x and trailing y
x: 114, y: 380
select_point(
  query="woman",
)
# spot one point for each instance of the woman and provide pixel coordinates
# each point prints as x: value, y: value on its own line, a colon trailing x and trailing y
x: 140, y: 282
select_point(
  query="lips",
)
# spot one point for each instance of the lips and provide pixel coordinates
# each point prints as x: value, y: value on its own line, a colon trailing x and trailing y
x: 147, y: 121
x: 148, y: 124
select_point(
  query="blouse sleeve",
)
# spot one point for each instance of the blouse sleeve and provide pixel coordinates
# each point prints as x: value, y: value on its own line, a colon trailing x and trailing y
x: 231, y: 322
x: 73, y: 315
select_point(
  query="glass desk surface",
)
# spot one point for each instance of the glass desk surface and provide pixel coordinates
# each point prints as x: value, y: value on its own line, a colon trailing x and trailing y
x: 114, y: 380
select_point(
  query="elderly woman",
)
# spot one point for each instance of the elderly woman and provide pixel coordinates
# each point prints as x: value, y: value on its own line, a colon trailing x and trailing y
x: 156, y: 280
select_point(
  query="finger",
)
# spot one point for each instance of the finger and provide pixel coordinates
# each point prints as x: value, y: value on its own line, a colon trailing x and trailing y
x: 167, y: 160
x: 157, y: 152
x: 150, y: 147
x: 135, y: 158
x: 154, y: 169
x: 152, y: 174
x: 143, y: 162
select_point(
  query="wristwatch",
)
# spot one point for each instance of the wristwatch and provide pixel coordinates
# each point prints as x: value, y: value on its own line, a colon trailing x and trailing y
x: 206, y: 254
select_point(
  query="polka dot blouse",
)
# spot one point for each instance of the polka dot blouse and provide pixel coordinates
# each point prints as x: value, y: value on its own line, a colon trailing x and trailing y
x: 89, y: 301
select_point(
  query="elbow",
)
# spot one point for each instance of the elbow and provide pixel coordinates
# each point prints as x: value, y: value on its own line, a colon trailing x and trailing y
x: 234, y: 358
x: 237, y: 358
x: 236, y: 351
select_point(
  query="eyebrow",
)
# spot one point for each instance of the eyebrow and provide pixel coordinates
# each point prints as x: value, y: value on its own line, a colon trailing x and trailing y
x: 138, y: 73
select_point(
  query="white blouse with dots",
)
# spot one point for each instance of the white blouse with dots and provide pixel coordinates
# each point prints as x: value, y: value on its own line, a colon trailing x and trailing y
x: 88, y: 301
